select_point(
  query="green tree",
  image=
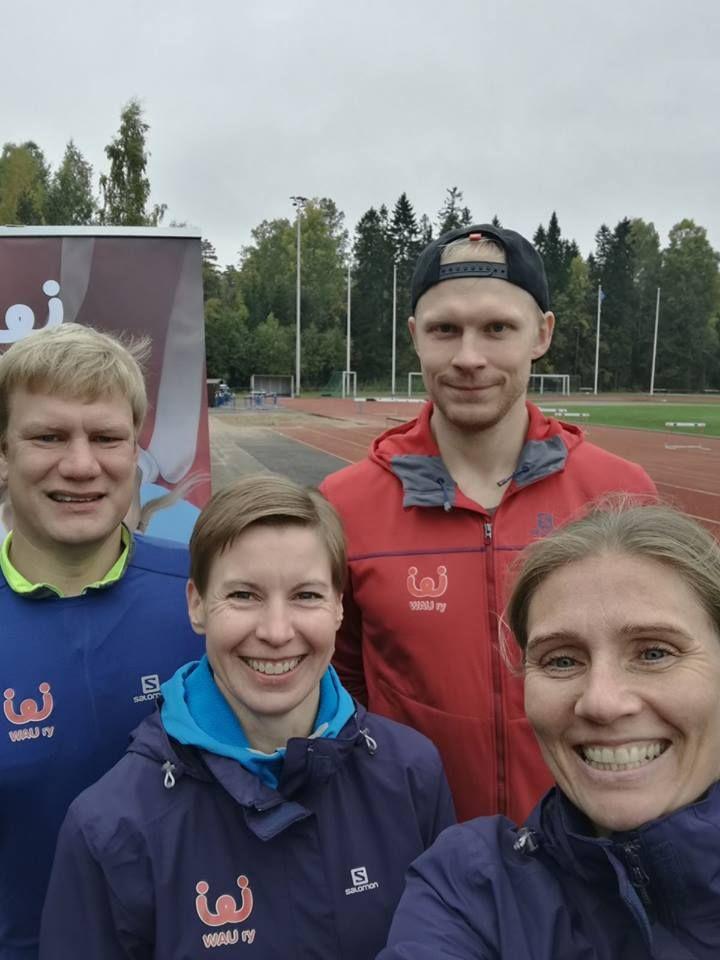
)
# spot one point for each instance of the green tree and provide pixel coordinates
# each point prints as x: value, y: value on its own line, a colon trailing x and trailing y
x: 406, y: 243
x: 268, y: 267
x: 557, y: 253
x: 453, y: 213
x: 126, y: 187
x: 24, y: 177
x: 70, y: 198
x: 688, y: 338
x: 646, y: 269
x: 272, y: 347
x: 212, y: 278
x: 613, y: 267
x: 227, y: 343
x: 267, y: 271
x: 371, y: 296
x: 573, y: 346
x: 323, y: 351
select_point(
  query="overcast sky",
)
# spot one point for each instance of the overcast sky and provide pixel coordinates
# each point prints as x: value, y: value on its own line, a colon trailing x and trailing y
x: 597, y: 110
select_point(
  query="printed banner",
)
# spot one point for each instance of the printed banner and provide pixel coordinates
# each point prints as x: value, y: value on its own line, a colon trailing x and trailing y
x: 146, y: 284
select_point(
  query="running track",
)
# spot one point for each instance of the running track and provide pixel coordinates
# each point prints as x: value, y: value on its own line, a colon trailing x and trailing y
x: 686, y: 469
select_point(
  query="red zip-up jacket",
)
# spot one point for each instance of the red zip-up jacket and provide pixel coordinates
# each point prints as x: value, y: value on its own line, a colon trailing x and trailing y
x: 428, y: 582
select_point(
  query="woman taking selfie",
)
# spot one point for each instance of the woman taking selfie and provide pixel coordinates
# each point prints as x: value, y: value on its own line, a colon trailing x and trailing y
x: 617, y: 616
x: 260, y: 809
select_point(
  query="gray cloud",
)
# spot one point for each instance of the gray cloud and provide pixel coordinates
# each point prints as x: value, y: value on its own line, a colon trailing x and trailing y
x: 596, y: 110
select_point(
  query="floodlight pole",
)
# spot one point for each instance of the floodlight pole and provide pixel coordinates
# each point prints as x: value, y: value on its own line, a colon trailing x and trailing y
x: 394, y: 329
x: 597, y: 338
x: 654, y: 354
x: 347, y: 334
x: 299, y: 204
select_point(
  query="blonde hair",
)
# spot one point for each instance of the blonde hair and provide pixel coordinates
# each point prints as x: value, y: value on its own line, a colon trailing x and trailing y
x: 75, y: 361
x: 264, y: 499
x: 486, y: 250
x: 621, y: 526
x: 464, y: 250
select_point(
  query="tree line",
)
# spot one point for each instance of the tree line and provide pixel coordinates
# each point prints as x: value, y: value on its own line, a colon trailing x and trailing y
x: 250, y: 306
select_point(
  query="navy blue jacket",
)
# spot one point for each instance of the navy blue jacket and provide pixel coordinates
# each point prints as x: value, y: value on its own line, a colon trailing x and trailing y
x: 77, y: 675
x: 552, y: 891
x: 177, y: 850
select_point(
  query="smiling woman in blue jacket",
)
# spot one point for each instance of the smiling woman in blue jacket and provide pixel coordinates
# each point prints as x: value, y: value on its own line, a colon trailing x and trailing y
x: 260, y: 805
x: 618, y: 619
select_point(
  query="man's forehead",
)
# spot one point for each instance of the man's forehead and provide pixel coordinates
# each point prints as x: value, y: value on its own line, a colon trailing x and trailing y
x: 41, y: 400
x: 469, y: 293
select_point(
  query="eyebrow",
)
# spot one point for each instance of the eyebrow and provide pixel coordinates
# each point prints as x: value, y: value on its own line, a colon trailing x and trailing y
x: 237, y: 583
x: 48, y: 426
x: 627, y: 631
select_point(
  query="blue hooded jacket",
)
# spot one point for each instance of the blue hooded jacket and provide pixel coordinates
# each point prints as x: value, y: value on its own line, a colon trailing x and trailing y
x: 177, y: 849
x: 554, y: 891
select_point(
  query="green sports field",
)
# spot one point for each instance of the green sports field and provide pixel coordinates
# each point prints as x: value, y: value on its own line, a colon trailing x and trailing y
x: 643, y: 415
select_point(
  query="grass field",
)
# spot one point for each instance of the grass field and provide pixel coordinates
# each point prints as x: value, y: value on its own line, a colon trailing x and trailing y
x: 642, y: 416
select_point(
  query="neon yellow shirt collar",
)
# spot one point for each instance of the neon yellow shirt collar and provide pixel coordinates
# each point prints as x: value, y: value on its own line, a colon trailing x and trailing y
x: 20, y: 584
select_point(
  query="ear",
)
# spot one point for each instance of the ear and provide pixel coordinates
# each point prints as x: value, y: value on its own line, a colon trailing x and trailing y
x: 196, y: 608
x: 544, y: 336
x: 412, y: 327
x: 3, y: 465
x: 338, y: 601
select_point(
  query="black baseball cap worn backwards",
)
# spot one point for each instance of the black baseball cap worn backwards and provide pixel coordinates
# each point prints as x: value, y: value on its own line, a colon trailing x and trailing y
x: 523, y: 266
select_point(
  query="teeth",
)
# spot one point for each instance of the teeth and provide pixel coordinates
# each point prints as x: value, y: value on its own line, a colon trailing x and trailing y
x: 273, y: 667
x: 622, y: 758
x: 63, y: 498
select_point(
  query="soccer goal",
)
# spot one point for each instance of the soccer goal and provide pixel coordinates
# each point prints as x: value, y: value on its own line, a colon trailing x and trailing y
x: 282, y: 385
x: 349, y: 384
x: 416, y: 387
x: 549, y: 383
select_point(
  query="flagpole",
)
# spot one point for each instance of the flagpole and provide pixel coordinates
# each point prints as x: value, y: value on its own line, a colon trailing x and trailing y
x: 597, y: 338
x: 654, y: 355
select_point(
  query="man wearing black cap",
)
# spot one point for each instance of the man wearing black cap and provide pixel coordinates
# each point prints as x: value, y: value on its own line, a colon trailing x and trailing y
x: 444, y: 503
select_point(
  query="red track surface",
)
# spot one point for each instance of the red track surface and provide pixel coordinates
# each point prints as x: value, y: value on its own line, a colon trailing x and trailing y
x: 686, y: 469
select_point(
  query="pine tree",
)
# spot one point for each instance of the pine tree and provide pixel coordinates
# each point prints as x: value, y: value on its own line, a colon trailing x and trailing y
x: 371, y: 296
x: 70, y: 199
x: 453, y: 214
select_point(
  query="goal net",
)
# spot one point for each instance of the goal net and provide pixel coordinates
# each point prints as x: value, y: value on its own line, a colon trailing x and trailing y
x: 349, y: 384
x: 416, y: 387
x: 549, y: 383
x: 282, y: 385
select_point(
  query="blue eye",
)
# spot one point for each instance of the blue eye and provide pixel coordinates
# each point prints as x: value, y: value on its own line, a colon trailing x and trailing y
x: 655, y: 654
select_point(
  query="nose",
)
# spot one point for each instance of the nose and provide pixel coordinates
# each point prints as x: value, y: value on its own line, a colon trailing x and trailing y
x: 470, y: 353
x: 607, y: 695
x: 79, y: 460
x: 275, y: 624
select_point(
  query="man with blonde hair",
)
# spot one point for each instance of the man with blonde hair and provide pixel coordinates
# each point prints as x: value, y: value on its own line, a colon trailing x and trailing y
x: 93, y: 619
x: 456, y: 494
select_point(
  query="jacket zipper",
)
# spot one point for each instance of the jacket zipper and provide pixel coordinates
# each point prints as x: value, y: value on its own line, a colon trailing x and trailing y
x: 638, y: 876
x: 496, y: 666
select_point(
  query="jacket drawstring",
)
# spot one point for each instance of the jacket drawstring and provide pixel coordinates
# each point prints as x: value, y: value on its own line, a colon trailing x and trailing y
x: 526, y: 842
x: 370, y: 743
x: 169, y: 781
x: 513, y: 476
x: 446, y: 498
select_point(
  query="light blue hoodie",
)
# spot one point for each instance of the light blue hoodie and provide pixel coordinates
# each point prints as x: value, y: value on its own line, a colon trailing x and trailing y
x: 195, y: 712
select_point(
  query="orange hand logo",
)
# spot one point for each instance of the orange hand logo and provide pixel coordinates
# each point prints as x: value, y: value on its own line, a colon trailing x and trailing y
x: 226, y: 909
x: 29, y: 711
x: 427, y: 586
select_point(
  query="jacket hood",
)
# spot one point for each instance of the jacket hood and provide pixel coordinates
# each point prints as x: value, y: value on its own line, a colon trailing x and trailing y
x: 267, y: 810
x: 196, y: 713
x: 410, y: 452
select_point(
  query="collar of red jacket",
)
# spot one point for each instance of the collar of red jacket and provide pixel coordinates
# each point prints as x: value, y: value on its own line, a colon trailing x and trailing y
x: 412, y: 455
